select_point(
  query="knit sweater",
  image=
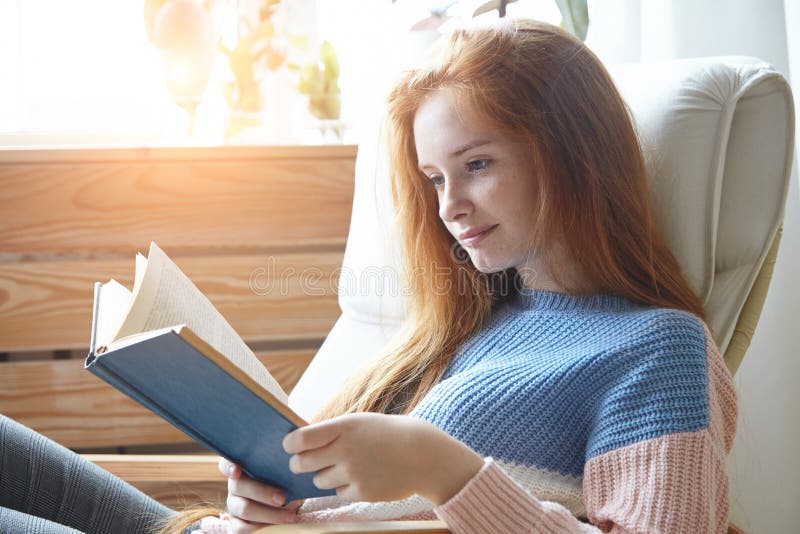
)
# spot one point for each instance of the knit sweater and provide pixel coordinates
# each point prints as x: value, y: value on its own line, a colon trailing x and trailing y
x: 593, y: 413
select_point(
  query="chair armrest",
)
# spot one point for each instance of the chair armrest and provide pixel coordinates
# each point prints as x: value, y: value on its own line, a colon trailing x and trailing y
x: 362, y: 527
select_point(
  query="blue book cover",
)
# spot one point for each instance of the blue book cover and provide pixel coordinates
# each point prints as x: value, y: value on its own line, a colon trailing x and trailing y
x: 181, y: 378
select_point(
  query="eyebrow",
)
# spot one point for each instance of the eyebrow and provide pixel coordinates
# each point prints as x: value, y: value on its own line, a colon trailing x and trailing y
x: 463, y: 148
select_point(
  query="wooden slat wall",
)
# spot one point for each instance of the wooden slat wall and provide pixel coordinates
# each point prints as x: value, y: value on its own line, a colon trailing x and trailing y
x: 260, y: 230
x: 86, y: 204
x: 47, y: 305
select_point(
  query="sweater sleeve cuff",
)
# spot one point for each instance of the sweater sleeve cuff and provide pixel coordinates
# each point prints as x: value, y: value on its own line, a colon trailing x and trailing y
x: 492, y: 501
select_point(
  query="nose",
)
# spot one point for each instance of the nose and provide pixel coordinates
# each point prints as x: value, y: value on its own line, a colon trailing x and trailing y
x: 454, y: 201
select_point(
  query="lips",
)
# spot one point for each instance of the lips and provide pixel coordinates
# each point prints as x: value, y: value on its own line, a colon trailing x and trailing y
x: 473, y: 236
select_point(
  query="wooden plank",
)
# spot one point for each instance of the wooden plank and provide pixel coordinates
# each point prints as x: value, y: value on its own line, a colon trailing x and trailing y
x: 158, y: 467
x: 181, y: 495
x: 63, y: 401
x: 47, y: 305
x: 59, y: 154
x: 81, y: 205
x: 287, y: 366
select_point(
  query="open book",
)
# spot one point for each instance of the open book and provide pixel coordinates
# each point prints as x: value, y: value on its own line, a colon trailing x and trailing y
x: 166, y: 346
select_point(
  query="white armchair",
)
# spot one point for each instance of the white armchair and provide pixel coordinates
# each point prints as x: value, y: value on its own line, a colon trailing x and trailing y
x: 718, y: 136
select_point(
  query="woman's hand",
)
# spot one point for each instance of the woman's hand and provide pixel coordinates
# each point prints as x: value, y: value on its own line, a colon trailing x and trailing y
x: 379, y: 457
x: 253, y: 505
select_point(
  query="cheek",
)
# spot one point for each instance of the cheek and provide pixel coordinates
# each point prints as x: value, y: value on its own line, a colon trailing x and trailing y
x: 517, y: 218
x: 521, y: 205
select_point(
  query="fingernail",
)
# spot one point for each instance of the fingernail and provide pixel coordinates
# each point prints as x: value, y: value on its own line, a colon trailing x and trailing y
x: 231, y: 469
x: 278, y: 498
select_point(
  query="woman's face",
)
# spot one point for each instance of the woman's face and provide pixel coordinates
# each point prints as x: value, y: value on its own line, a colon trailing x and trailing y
x: 482, y: 180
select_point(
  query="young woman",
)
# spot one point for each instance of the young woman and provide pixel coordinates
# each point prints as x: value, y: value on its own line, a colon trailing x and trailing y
x: 563, y: 380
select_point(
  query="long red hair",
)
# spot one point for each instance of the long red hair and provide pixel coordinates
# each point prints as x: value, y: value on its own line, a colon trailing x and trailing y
x: 534, y: 83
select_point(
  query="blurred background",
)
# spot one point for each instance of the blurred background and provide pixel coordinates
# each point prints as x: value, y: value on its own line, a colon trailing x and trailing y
x: 172, y: 72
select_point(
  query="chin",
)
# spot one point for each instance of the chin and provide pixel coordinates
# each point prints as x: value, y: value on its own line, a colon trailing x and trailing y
x: 488, y: 267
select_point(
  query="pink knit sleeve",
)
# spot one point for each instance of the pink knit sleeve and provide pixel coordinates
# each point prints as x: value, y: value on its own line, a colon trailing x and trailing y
x: 674, y: 483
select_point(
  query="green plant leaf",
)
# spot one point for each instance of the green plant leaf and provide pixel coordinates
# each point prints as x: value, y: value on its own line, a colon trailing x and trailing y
x: 301, y: 42
x: 327, y: 54
x: 325, y: 106
x: 574, y: 17
x: 491, y: 5
x: 310, y: 81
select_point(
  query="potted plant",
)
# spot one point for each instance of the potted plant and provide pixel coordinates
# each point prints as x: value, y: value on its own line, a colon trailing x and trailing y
x: 319, y: 79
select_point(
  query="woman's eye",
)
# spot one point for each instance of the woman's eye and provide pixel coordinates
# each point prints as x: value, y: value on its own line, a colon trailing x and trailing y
x: 478, y: 165
x: 436, y: 181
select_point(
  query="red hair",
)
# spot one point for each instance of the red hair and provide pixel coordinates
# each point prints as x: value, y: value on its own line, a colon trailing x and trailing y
x: 534, y: 83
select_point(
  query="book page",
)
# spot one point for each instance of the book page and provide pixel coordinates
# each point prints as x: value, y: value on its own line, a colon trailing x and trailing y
x: 141, y: 267
x: 113, y: 303
x: 166, y: 297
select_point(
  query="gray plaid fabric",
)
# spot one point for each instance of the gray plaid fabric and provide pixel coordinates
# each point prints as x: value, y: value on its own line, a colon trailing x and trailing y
x: 16, y: 522
x: 48, y: 489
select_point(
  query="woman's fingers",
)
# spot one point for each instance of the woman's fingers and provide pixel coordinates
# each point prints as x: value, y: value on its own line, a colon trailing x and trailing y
x: 312, y: 436
x: 330, y: 478
x: 252, y: 504
x: 294, y: 505
x: 255, y: 512
x: 229, y: 469
x: 248, y: 488
x: 244, y: 486
x: 311, y: 460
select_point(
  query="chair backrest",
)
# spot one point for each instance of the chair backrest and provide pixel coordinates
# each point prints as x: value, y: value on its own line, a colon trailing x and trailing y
x: 717, y: 134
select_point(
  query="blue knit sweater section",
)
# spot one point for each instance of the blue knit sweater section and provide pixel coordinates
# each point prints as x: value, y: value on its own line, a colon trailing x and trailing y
x: 555, y: 379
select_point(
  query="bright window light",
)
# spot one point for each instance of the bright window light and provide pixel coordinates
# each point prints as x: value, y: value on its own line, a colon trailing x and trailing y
x: 85, y: 71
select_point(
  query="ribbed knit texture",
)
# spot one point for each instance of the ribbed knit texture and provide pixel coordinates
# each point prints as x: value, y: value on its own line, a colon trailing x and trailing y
x: 564, y: 378
x: 591, y: 407
x: 634, y: 402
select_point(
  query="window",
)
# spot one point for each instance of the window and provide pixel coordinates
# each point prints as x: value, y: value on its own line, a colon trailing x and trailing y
x: 85, y: 73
